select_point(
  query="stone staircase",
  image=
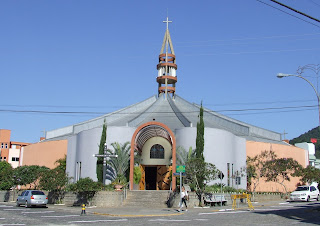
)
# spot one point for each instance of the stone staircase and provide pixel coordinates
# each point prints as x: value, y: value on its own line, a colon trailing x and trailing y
x: 146, y: 198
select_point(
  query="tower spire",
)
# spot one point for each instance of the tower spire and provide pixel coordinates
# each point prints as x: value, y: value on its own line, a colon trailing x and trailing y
x: 167, y: 67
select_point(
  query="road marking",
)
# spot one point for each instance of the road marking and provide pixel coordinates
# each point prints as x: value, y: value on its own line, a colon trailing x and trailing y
x: 201, y: 219
x: 224, y: 212
x: 2, y: 218
x: 1, y: 206
x: 11, y: 224
x: 265, y: 210
x: 141, y: 215
x: 94, y: 221
x: 14, y: 209
x: 49, y: 211
x: 283, y: 206
x: 62, y: 216
x: 168, y: 220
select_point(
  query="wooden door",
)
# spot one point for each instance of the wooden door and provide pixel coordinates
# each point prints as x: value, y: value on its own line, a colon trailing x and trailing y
x: 163, y: 177
x: 142, y: 182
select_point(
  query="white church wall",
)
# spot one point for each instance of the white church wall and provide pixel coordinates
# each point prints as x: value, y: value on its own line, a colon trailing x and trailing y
x: 71, y: 157
x: 224, y: 149
x: 186, y: 137
x: 84, y: 145
x: 221, y: 147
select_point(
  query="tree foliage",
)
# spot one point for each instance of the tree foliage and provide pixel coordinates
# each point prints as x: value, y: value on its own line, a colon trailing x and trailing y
x: 86, y: 189
x: 118, y: 166
x: 55, y: 179
x: 6, y: 173
x: 310, y: 174
x: 197, y: 169
x: 183, y: 156
x: 200, y: 136
x: 280, y: 170
x: 255, y: 167
x: 29, y: 175
x: 103, y: 139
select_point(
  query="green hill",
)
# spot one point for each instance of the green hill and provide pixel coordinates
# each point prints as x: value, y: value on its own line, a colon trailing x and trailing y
x: 306, y: 137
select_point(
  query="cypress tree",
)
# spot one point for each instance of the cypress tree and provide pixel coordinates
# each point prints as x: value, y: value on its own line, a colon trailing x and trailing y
x: 200, y: 136
x: 99, y: 169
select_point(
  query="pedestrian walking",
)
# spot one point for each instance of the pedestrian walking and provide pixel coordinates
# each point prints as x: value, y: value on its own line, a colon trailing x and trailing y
x: 184, y: 197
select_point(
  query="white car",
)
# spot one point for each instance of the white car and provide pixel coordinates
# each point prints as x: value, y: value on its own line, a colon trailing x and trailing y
x: 305, y: 193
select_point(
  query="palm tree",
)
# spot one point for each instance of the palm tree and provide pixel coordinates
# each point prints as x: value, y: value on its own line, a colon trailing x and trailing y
x: 118, y: 166
x: 183, y: 156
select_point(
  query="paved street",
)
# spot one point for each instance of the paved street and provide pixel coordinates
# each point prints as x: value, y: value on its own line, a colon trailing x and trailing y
x: 270, y: 213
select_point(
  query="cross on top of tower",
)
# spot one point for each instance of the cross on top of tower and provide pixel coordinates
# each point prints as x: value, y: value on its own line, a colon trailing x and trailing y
x: 167, y: 21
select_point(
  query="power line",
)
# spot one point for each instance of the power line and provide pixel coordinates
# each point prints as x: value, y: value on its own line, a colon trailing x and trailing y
x: 288, y: 13
x: 160, y: 112
x: 297, y: 11
x: 114, y: 106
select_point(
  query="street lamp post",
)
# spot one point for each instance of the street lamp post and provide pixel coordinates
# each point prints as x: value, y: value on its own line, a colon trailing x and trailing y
x: 316, y: 69
x: 105, y: 156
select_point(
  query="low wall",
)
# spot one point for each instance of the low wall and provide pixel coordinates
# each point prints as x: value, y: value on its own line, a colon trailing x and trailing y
x: 100, y: 199
x: 194, y: 201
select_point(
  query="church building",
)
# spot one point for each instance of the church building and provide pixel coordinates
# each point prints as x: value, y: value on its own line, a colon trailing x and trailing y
x: 157, y: 126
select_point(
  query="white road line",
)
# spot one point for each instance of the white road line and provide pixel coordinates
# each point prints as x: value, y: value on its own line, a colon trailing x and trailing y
x: 10, y: 224
x: 94, y: 221
x: 1, y: 206
x: 283, y: 206
x: 49, y: 211
x: 223, y: 212
x: 201, y: 219
x: 168, y: 220
x: 61, y: 216
x: 265, y: 210
x: 14, y: 209
x: 2, y: 218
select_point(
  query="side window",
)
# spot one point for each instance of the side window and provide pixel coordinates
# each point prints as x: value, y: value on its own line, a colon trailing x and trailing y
x: 312, y: 188
x: 26, y: 194
x: 22, y: 194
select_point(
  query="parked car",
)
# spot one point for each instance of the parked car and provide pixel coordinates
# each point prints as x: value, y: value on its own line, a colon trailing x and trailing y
x: 305, y: 193
x: 32, y: 198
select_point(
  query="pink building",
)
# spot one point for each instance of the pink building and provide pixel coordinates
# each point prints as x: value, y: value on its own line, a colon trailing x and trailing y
x: 10, y: 151
x: 282, y: 151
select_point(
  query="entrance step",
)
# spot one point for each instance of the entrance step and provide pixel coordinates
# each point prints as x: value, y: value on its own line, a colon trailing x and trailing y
x: 147, y: 198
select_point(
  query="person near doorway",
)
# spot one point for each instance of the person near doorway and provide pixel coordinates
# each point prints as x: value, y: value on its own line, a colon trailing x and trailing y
x: 184, y: 198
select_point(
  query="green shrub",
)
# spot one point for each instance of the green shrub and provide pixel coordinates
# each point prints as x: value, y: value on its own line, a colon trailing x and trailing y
x: 137, y: 174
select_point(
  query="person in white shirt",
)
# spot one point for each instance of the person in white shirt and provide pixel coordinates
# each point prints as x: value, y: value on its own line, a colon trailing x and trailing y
x: 184, y: 198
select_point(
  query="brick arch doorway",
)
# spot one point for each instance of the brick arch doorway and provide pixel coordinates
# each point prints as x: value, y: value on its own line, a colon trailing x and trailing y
x: 142, y: 134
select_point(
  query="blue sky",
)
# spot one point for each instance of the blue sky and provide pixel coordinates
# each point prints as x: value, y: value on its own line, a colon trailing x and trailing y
x: 98, y: 56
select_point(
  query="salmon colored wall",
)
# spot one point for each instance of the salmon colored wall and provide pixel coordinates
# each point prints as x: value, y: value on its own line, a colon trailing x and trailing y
x: 282, y: 151
x: 44, y: 153
x: 5, y: 135
x: 5, y: 138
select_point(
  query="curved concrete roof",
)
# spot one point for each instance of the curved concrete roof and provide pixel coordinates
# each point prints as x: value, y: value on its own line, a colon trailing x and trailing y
x: 175, y: 113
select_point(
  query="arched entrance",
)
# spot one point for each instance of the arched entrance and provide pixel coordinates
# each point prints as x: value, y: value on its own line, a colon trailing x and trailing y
x: 155, y: 147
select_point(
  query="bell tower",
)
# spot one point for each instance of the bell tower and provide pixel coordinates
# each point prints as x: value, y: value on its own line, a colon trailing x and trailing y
x: 167, y: 67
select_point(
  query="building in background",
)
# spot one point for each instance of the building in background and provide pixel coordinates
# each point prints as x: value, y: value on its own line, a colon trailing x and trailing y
x: 310, y: 147
x: 44, y: 153
x: 10, y: 151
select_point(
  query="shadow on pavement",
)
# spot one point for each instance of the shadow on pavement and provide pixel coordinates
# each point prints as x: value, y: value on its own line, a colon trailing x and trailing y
x: 304, y: 212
